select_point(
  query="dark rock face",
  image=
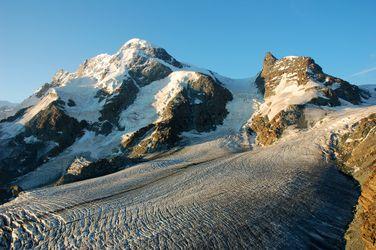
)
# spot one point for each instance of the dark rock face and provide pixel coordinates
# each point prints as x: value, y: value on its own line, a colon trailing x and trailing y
x: 124, y: 97
x: 208, y: 101
x: 16, y: 116
x: 146, y: 72
x: 52, y: 124
x: 135, y: 138
x: 43, y: 90
x: 162, y: 54
x: 200, y: 106
x: 45, y: 135
x: 71, y: 103
x: 82, y: 169
x: 330, y: 99
x: 158, y: 53
x: 18, y: 158
x: 9, y: 192
x: 141, y: 73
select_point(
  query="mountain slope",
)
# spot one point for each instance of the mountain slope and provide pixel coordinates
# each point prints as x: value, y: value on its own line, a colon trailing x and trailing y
x: 269, y: 197
x: 295, y: 87
x: 6, y: 108
x: 187, y: 158
x: 299, y: 97
x: 136, y: 102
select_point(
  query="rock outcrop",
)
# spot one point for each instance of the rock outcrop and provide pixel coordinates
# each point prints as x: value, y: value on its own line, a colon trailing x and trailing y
x: 269, y: 132
x: 355, y: 153
x: 124, y: 96
x: 200, y: 106
x: 83, y: 169
x: 47, y: 134
x: 288, y: 85
x: 9, y: 192
x: 292, y: 84
x: 355, y: 150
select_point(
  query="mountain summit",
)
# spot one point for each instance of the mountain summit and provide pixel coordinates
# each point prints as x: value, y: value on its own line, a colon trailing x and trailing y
x: 135, y: 102
x: 141, y: 100
x: 140, y: 150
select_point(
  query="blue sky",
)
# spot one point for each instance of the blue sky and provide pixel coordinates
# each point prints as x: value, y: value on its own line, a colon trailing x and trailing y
x: 230, y: 37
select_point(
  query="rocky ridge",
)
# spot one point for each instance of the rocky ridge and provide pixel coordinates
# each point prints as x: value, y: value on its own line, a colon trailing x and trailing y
x: 141, y: 99
x: 119, y: 110
x: 355, y: 153
x: 289, y: 85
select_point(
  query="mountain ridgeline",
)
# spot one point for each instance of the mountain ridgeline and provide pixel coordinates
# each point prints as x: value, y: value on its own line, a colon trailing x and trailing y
x: 291, y: 84
x: 95, y: 99
x: 142, y: 105
x: 109, y: 95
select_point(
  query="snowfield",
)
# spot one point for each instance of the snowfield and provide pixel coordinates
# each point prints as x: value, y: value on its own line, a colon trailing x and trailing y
x: 287, y: 93
x: 214, y: 189
x: 206, y: 195
x: 150, y: 101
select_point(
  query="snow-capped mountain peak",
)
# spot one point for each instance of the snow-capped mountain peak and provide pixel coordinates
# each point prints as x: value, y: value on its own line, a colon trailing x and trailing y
x: 139, y: 44
x: 100, y: 78
x: 140, y: 93
x: 140, y: 104
x: 108, y: 71
x: 140, y: 100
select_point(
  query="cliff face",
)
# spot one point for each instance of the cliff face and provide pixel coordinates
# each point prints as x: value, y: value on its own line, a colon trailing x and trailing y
x: 295, y: 89
x: 45, y: 135
x: 289, y: 85
x: 355, y: 153
x: 365, y: 217
x: 302, y: 70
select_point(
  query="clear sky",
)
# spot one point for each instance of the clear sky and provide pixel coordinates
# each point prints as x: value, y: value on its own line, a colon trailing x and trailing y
x: 230, y: 37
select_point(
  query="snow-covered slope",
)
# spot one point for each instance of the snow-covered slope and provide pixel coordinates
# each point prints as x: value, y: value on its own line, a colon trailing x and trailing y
x: 6, y: 108
x: 296, y: 90
x: 175, y: 152
x: 282, y: 196
x: 132, y: 102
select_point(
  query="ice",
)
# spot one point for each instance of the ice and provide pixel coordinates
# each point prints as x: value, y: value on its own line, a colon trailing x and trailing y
x: 199, y: 187
x: 287, y: 93
x: 210, y: 192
